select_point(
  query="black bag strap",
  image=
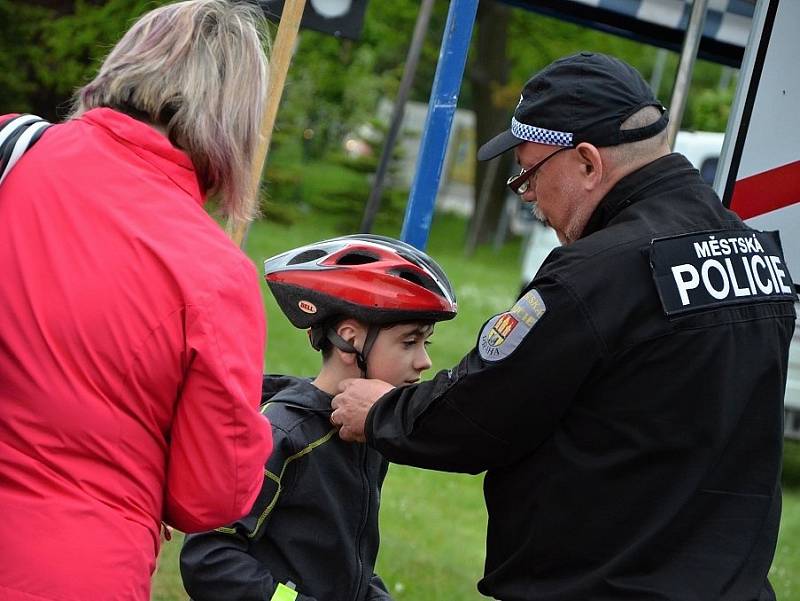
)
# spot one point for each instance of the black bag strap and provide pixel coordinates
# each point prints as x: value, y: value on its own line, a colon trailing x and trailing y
x: 17, y: 135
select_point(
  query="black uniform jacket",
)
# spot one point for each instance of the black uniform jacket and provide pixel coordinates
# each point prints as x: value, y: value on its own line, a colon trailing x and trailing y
x: 631, y: 453
x: 315, y: 522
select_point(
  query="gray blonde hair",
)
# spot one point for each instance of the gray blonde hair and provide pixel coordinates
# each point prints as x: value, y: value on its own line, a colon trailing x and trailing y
x: 198, y: 70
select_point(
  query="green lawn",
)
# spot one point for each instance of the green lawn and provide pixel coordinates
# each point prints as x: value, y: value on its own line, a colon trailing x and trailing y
x: 433, y: 524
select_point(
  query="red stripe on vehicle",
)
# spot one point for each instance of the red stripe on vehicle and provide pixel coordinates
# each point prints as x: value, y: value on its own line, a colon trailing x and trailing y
x: 767, y: 191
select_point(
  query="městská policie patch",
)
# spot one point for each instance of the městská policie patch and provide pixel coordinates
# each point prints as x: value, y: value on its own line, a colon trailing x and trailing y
x: 716, y: 269
x: 503, y: 333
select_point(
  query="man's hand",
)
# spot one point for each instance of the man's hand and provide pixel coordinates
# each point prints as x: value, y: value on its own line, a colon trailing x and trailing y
x: 351, y: 405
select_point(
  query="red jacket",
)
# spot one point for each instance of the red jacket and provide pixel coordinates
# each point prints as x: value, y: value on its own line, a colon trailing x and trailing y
x: 131, y: 351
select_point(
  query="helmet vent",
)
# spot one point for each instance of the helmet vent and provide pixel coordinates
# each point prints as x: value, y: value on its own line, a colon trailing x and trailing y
x: 357, y: 258
x: 419, y: 279
x: 306, y: 256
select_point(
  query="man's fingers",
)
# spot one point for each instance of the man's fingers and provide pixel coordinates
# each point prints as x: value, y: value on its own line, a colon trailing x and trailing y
x: 345, y: 432
x: 349, y: 435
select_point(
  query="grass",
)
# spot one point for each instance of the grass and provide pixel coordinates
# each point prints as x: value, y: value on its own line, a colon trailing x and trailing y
x: 785, y: 571
x: 433, y: 524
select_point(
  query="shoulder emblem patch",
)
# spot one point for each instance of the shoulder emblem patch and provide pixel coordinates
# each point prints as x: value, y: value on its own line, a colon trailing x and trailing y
x: 503, y: 333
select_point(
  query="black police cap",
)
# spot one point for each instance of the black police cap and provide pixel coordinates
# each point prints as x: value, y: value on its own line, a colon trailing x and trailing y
x: 580, y: 98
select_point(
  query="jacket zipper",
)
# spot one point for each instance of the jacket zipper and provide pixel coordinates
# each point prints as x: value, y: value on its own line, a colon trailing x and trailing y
x: 366, y: 505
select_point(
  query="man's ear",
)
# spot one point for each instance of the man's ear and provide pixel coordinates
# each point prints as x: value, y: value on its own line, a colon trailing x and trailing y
x: 591, y: 165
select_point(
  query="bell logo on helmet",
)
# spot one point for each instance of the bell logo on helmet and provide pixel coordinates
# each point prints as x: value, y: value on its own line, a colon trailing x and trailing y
x: 307, y: 307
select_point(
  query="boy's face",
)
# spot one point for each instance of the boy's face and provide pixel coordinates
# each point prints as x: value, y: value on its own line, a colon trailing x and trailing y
x: 399, y: 355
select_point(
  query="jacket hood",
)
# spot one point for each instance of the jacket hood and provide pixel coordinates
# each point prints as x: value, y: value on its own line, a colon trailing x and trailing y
x: 295, y: 391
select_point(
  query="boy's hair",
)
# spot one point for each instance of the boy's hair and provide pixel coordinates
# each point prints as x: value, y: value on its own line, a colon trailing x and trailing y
x: 199, y: 70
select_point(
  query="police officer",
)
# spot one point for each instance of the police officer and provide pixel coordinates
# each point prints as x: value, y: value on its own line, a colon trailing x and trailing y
x: 627, y: 409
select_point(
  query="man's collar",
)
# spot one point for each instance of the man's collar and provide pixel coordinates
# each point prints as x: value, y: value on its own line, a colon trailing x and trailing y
x: 634, y: 187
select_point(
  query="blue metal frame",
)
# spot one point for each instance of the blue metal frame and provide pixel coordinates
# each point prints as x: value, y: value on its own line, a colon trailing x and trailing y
x: 441, y: 108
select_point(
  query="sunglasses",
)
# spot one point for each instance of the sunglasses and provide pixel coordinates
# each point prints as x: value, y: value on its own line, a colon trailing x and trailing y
x: 520, y: 183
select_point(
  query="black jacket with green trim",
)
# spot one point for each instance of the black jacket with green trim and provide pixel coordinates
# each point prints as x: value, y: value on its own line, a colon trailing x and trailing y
x: 315, y: 522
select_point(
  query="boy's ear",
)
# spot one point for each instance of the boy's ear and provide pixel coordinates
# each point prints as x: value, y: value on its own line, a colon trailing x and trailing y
x: 352, y: 331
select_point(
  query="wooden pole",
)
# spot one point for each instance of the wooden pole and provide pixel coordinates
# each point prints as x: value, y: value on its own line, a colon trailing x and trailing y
x: 279, y: 65
x: 683, y: 78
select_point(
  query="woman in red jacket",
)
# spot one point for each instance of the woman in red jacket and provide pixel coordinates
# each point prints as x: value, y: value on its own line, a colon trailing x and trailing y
x: 132, y: 330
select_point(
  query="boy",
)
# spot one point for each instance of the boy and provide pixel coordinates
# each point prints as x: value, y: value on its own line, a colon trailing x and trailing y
x: 370, y: 303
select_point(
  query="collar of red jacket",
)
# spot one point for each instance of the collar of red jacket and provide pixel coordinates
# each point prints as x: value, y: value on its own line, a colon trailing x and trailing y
x: 150, y: 145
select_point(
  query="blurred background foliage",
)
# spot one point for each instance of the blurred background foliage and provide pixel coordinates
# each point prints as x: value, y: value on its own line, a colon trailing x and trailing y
x: 48, y: 48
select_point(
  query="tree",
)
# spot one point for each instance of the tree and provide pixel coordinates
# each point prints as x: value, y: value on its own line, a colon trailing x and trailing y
x: 46, y: 52
x: 488, y: 77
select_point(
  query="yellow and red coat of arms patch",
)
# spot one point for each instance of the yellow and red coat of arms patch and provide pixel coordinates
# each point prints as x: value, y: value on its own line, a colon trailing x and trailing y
x: 502, y: 334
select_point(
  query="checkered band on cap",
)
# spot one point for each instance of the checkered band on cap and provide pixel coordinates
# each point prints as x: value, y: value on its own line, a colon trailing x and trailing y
x: 540, y: 135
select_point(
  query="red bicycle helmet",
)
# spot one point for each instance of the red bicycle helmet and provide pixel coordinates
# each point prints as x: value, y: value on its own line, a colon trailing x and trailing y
x: 375, y: 279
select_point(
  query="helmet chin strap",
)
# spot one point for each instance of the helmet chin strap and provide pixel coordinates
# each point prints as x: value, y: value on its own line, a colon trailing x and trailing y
x: 361, y: 356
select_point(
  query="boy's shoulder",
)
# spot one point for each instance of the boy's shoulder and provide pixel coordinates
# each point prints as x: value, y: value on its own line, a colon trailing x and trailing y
x: 296, y: 409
